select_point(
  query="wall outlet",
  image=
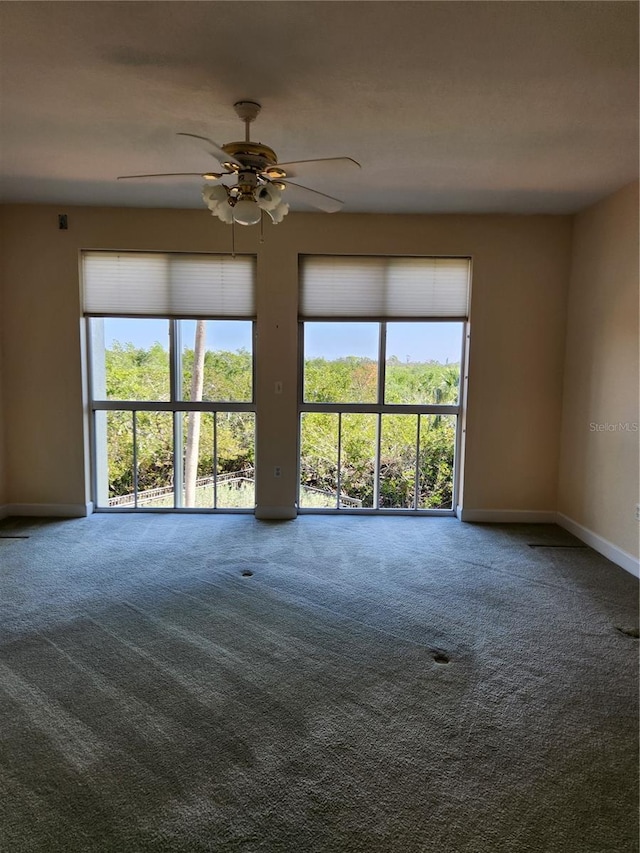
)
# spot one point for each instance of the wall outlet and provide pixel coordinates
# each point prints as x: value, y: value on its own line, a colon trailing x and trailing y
x: 276, y: 471
x: 637, y: 512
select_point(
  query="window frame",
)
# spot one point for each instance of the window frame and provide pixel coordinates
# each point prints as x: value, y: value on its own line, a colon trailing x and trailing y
x: 381, y: 408
x: 174, y: 405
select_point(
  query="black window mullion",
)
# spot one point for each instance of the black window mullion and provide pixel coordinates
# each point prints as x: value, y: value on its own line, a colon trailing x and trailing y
x: 339, y: 478
x: 215, y: 460
x: 376, y: 470
x: 382, y: 361
x: 417, y: 486
x: 178, y: 463
x: 135, y: 457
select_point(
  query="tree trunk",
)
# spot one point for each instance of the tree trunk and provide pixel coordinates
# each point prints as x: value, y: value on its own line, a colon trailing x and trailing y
x: 193, y: 418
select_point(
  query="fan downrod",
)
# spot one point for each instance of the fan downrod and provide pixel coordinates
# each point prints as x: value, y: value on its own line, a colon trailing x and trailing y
x: 247, y: 112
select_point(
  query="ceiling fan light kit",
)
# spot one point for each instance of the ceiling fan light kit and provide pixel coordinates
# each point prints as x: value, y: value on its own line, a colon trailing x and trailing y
x: 260, y: 179
x: 246, y: 212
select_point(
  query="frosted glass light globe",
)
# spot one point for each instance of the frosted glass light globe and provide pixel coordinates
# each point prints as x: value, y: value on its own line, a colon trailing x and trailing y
x: 246, y: 212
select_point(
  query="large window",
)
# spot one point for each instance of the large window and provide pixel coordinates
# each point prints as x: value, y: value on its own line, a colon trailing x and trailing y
x: 172, y: 397
x: 380, y: 399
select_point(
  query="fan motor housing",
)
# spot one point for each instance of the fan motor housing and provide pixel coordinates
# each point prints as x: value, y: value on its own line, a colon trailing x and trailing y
x: 254, y: 154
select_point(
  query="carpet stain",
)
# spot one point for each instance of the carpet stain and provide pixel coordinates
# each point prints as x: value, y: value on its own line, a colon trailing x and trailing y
x: 629, y: 632
x: 246, y: 573
x: 441, y: 657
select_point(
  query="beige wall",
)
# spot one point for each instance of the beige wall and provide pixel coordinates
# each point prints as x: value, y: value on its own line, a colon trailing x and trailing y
x: 598, y: 482
x: 3, y: 490
x: 518, y: 318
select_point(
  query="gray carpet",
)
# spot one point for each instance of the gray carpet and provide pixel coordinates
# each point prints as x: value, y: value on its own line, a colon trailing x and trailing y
x: 385, y: 685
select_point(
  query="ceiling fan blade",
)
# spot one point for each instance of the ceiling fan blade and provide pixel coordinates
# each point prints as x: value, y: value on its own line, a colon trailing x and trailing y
x: 325, y: 165
x: 214, y: 149
x: 204, y: 175
x: 322, y: 201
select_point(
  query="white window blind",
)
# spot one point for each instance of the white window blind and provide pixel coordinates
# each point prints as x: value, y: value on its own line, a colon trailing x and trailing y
x: 381, y: 287
x: 160, y: 284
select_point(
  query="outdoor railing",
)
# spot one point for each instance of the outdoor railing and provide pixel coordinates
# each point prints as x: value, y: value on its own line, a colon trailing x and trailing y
x: 345, y: 500
x: 246, y: 475
x: 149, y: 495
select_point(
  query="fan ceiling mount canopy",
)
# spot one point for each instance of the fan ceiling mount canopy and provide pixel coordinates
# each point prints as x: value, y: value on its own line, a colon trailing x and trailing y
x: 261, y: 182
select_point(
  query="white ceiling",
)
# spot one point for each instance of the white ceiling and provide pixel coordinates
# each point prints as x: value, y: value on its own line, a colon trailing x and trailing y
x: 449, y: 106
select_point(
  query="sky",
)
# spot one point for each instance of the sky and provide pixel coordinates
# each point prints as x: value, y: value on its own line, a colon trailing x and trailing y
x: 408, y: 341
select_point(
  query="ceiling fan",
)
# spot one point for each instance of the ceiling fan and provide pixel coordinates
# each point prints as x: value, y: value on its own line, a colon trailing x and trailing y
x: 252, y: 179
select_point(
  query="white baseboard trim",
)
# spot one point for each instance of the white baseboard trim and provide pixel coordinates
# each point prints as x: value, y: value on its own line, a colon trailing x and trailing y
x: 612, y: 552
x: 621, y: 558
x: 51, y: 510
x: 507, y: 516
x: 276, y: 513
